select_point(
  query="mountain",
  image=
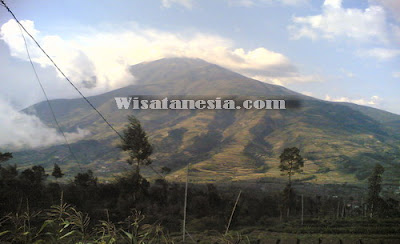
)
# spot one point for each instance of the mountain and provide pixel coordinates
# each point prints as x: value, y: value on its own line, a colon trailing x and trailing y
x: 339, y: 141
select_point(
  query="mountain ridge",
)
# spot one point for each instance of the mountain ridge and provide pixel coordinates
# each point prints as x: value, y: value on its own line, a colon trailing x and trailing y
x: 340, y: 141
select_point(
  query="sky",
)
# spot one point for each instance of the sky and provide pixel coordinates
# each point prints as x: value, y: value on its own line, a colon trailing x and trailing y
x: 336, y: 50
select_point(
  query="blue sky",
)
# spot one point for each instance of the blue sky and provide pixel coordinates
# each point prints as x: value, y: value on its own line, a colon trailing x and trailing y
x: 331, y: 62
x: 331, y: 49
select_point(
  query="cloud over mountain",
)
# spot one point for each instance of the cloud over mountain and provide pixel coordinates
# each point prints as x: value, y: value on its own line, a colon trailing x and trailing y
x: 99, y: 60
x: 373, y: 101
x: 22, y: 131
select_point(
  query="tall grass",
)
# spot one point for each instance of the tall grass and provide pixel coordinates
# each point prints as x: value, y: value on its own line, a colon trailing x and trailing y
x: 63, y: 223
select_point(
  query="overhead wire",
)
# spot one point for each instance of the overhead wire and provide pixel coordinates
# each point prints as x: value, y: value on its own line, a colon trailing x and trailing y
x: 58, y: 68
x: 48, y: 102
x: 70, y: 82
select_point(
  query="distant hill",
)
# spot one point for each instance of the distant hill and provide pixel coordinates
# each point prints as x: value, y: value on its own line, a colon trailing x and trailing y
x: 340, y: 142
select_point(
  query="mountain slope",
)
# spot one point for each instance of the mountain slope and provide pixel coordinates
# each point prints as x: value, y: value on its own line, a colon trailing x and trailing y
x: 340, y: 142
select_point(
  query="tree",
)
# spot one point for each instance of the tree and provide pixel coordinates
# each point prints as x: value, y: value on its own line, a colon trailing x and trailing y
x: 5, y: 156
x: 374, y: 188
x: 9, y: 172
x: 35, y: 175
x: 57, y: 173
x: 135, y: 141
x: 85, y: 179
x: 288, y: 196
x: 291, y: 162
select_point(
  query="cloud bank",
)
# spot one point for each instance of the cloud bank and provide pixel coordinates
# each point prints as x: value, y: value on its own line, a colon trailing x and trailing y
x: 244, y: 3
x: 99, y: 60
x: 374, y: 100
x: 337, y: 22
x: 393, y: 6
x: 368, y: 26
x: 22, y: 131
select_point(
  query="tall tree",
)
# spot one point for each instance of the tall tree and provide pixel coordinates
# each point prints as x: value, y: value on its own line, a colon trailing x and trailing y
x: 374, y: 188
x: 85, y: 179
x: 291, y: 162
x: 135, y: 141
x: 57, y: 173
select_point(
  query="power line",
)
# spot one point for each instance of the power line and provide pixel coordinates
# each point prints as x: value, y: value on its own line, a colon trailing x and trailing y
x: 155, y: 171
x: 62, y: 73
x: 48, y: 101
x: 70, y: 82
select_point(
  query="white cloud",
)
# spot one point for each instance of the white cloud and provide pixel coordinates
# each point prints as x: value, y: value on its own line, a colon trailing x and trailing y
x: 250, y: 3
x: 10, y: 33
x: 185, y: 3
x: 73, y: 56
x: 307, y: 93
x: 294, y: 2
x: 381, y: 54
x: 99, y: 61
x: 19, y: 130
x: 284, y: 80
x: 393, y: 6
x: 243, y: 3
x: 337, y: 22
x: 374, y: 100
x: 396, y: 74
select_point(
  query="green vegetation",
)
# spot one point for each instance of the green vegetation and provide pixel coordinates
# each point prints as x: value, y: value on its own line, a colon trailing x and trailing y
x: 291, y: 162
x: 134, y: 140
x: 374, y: 189
x: 57, y: 173
x: 129, y: 210
x: 5, y: 156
